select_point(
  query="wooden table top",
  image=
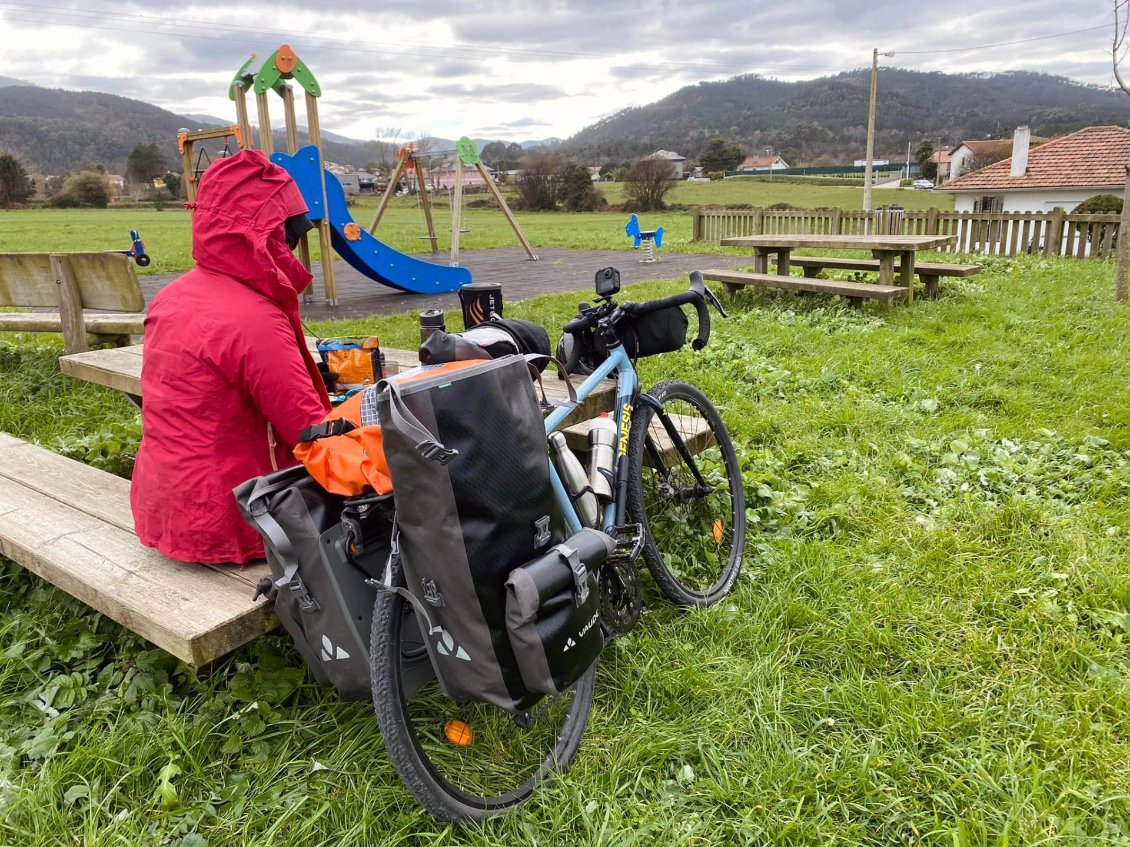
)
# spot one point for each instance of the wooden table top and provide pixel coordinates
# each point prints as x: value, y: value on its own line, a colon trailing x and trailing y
x: 120, y: 368
x: 843, y: 242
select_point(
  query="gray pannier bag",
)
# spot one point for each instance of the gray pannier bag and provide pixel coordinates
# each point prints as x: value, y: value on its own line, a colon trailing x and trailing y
x: 324, y: 551
x: 467, y: 453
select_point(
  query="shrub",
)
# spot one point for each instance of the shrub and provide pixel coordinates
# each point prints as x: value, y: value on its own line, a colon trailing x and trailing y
x: 15, y: 184
x: 715, y: 176
x: 1099, y: 204
x: 86, y: 189
x: 647, y: 184
x: 578, y: 194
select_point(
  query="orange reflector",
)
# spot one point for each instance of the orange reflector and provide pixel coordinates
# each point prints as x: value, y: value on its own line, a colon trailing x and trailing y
x: 717, y: 530
x: 459, y: 733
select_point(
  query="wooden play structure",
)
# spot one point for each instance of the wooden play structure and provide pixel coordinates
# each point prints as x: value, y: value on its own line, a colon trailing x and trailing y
x: 186, y: 144
x: 411, y: 161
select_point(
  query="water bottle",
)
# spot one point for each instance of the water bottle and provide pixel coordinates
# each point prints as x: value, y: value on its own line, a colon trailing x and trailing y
x: 430, y: 321
x: 602, y: 456
x: 575, y: 481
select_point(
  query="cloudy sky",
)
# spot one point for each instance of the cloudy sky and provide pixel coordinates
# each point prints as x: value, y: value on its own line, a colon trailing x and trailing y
x: 523, y: 70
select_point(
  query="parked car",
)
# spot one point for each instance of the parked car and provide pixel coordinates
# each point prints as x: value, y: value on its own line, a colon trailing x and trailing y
x: 923, y: 183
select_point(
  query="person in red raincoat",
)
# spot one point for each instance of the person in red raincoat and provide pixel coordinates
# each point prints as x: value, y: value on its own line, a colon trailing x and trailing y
x: 227, y: 380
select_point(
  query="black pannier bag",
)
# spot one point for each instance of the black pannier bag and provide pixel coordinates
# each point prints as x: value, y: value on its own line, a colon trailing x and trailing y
x: 662, y: 331
x: 467, y: 453
x: 321, y: 549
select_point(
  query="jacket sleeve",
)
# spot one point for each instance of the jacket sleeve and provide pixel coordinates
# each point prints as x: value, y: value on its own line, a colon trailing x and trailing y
x: 273, y: 372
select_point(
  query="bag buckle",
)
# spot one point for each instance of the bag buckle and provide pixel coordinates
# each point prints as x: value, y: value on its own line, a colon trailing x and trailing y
x: 580, y: 573
x: 305, y: 601
x: 434, y: 452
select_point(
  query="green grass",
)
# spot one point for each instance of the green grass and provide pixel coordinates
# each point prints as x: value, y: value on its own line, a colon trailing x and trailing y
x: 168, y: 239
x: 929, y: 643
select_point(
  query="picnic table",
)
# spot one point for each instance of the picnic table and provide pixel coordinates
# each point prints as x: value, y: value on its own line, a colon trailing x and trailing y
x: 120, y: 368
x: 894, y: 254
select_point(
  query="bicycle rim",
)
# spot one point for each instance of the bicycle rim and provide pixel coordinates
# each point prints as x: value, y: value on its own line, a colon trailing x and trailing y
x: 695, y: 534
x: 463, y: 760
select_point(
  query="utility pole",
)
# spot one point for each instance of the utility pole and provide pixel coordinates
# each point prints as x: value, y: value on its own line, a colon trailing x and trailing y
x: 867, y: 171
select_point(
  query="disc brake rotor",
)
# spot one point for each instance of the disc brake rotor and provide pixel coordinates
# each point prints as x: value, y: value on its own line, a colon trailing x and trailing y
x: 621, y: 597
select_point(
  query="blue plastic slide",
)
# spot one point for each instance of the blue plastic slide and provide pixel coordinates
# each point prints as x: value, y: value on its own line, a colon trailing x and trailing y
x: 367, y: 254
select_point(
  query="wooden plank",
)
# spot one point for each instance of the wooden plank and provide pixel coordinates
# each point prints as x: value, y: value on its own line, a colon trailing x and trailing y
x: 848, y: 264
x: 189, y: 611
x: 796, y: 283
x: 120, y: 369
x: 695, y: 432
x: 835, y: 242
x: 70, y: 305
x: 96, y: 493
x: 99, y: 323
x: 105, y: 281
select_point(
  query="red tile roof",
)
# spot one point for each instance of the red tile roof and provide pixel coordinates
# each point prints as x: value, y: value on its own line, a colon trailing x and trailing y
x: 941, y: 157
x: 1095, y: 156
x: 759, y: 161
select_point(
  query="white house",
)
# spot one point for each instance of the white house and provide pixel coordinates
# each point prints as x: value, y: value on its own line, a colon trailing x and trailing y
x: 1062, y: 172
x: 972, y: 155
x: 674, y: 158
x: 763, y: 164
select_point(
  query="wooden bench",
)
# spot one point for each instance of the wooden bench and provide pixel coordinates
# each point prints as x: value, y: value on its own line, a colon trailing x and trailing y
x: 71, y: 524
x: 695, y: 432
x: 853, y: 291
x: 929, y: 272
x: 70, y: 284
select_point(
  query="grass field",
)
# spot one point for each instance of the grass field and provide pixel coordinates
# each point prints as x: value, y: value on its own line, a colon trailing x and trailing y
x: 930, y: 643
x: 168, y: 240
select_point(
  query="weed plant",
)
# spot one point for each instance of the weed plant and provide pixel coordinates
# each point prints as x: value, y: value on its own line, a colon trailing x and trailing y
x: 930, y: 643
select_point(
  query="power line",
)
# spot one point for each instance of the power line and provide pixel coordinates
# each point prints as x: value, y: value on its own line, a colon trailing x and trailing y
x: 999, y: 44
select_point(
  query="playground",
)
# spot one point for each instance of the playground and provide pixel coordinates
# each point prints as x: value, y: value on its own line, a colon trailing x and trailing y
x: 928, y: 643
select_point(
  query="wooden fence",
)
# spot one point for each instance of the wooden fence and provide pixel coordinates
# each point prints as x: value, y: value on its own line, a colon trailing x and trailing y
x: 1054, y: 233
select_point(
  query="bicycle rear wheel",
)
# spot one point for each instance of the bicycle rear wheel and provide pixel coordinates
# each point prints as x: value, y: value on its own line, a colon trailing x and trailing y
x: 463, y: 760
x: 690, y: 503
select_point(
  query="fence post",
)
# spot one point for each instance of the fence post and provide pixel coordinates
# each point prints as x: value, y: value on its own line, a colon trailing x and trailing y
x: 696, y: 224
x: 758, y: 220
x: 837, y: 217
x: 932, y: 221
x: 1053, y: 244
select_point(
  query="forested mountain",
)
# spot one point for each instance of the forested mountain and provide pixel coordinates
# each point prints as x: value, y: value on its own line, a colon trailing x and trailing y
x: 824, y: 121
x: 820, y: 121
x: 55, y: 130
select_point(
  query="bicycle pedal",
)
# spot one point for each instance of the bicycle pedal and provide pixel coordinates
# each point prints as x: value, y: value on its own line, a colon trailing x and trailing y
x: 629, y: 540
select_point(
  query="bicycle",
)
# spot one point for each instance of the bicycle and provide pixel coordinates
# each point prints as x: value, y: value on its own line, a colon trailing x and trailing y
x: 677, y: 501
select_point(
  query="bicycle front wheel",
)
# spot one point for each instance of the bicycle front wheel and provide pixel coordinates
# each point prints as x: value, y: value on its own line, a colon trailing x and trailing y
x: 689, y: 501
x: 463, y: 760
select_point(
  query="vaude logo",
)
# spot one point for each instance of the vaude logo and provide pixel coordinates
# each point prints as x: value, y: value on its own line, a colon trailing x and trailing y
x: 331, y: 653
x: 446, y: 646
x: 570, y: 643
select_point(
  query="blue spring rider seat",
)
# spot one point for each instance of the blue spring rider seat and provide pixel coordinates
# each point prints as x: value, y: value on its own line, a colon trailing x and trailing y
x: 646, y: 238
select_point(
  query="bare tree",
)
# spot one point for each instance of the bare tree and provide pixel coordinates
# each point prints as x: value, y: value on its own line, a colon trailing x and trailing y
x: 647, y: 183
x: 1117, y: 55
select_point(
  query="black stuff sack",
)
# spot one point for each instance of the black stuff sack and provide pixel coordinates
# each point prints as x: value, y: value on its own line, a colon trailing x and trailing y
x: 491, y: 339
x: 322, y: 550
x: 467, y: 454
x: 553, y: 612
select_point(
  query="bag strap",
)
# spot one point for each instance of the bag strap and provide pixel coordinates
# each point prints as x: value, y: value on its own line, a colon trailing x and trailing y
x: 427, y: 445
x: 259, y: 508
x: 562, y: 373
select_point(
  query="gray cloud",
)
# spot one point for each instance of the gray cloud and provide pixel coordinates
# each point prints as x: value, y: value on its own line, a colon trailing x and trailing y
x: 511, y: 92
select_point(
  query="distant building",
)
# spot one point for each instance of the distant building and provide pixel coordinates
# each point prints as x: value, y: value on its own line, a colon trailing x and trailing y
x: 942, y: 159
x: 875, y: 163
x: 1062, y: 172
x: 763, y: 163
x: 674, y: 158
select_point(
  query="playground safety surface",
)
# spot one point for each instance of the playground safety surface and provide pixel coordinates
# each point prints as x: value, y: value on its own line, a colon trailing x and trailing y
x: 558, y: 269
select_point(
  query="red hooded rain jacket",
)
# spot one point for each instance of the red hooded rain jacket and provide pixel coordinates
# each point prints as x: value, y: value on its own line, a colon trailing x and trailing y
x: 224, y: 358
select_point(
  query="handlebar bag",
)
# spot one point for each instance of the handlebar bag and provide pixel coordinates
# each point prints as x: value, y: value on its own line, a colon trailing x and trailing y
x: 661, y: 331
x: 467, y: 455
x: 321, y: 549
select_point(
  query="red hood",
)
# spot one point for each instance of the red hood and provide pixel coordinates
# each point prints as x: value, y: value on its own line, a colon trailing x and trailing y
x: 238, y: 234
x: 237, y: 228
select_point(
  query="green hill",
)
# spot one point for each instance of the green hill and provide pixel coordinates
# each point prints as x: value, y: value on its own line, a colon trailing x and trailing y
x: 827, y: 117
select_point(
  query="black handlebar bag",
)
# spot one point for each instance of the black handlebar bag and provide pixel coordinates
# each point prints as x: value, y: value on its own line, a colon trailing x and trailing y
x: 466, y: 450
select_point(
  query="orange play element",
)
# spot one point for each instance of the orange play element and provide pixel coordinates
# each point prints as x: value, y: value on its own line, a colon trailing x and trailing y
x: 458, y: 733
x: 405, y: 153
x: 286, y: 59
x: 352, y: 232
x: 717, y: 531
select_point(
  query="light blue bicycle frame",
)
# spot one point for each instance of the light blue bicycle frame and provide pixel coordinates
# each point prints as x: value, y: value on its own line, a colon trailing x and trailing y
x: 626, y: 380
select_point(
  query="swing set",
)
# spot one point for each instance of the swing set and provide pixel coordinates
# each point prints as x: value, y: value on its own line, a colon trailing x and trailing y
x: 195, y: 166
x: 411, y: 161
